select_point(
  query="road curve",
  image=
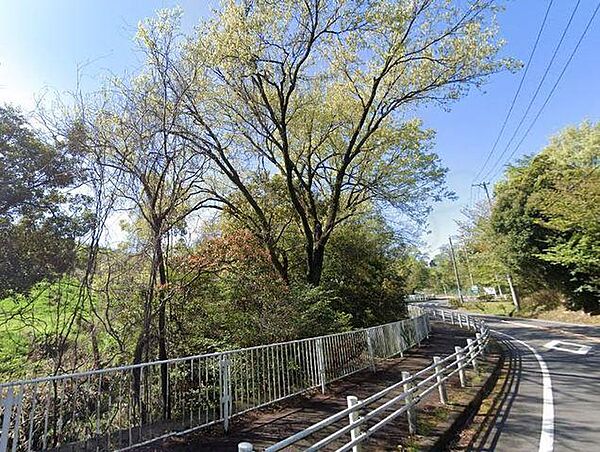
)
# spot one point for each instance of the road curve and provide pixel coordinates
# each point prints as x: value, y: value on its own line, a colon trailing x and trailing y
x: 551, y: 398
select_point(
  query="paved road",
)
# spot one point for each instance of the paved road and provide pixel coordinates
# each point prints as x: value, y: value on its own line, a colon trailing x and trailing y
x: 551, y: 398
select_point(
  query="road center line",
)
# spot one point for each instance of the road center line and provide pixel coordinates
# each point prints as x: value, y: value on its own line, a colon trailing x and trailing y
x: 547, y: 433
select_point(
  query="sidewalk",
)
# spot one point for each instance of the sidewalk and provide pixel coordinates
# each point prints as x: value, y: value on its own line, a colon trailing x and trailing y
x: 267, y: 426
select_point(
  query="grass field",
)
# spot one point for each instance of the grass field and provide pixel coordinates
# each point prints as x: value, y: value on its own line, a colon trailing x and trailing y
x: 29, y: 326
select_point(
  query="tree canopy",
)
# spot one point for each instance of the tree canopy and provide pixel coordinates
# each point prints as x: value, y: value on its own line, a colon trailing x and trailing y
x: 39, y: 219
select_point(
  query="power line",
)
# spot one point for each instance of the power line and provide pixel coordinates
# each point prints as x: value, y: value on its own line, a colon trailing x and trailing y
x: 512, y: 104
x: 564, y: 69
x: 537, y: 90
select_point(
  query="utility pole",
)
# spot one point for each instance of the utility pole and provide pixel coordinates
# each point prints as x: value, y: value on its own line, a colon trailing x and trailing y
x: 513, y: 290
x: 485, y: 185
x: 458, y: 289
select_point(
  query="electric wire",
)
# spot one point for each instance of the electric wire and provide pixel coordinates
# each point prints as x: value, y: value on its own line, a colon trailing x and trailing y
x: 537, y: 91
x: 517, y: 92
x: 549, y: 96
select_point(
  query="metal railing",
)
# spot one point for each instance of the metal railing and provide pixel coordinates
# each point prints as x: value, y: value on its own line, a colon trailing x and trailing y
x: 122, y: 407
x: 350, y: 427
x: 418, y: 297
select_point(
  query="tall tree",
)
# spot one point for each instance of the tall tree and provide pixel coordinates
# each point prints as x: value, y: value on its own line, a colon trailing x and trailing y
x: 321, y: 92
x: 153, y: 171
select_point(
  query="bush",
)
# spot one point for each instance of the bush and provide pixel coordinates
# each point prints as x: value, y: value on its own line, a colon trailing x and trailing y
x: 542, y: 301
x: 454, y: 303
x: 486, y: 297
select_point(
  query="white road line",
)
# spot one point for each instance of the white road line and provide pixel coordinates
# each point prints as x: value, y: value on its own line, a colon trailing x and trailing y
x: 547, y: 433
x: 554, y: 329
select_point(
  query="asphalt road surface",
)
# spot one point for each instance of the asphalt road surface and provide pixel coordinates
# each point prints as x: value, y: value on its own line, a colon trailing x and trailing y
x: 552, y: 396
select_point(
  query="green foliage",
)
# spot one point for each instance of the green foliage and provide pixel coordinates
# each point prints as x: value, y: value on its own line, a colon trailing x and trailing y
x: 30, y: 326
x: 361, y: 269
x: 293, y: 120
x: 235, y: 299
x: 39, y: 222
x: 319, y: 93
x: 547, y: 214
x: 414, y: 270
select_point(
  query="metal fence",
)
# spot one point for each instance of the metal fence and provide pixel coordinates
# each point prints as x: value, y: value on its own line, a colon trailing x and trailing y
x: 347, y: 429
x: 418, y: 297
x: 118, y: 408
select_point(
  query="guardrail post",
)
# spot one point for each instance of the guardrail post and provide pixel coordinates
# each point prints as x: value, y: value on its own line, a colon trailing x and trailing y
x: 452, y: 317
x: 443, y: 316
x: 411, y: 413
x: 321, y: 363
x: 370, y: 350
x: 481, y: 344
x: 353, y: 417
x: 440, y: 380
x: 472, y: 354
x: 245, y: 447
x: 460, y: 322
x: 459, y: 365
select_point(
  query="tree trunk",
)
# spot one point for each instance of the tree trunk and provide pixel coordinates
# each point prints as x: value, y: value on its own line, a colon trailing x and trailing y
x: 141, y: 347
x: 162, y: 328
x: 314, y: 262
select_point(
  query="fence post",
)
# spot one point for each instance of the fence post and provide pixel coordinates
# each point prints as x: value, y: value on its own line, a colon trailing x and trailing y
x: 7, y: 408
x: 480, y: 341
x: 459, y: 366
x: 411, y: 413
x: 225, y: 374
x: 402, y: 338
x: 353, y: 417
x: 370, y: 350
x: 460, y: 323
x: 440, y: 380
x: 443, y: 316
x: 472, y: 353
x: 245, y: 447
x: 321, y: 363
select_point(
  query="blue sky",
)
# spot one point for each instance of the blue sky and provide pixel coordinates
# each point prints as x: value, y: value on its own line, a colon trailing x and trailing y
x: 42, y: 43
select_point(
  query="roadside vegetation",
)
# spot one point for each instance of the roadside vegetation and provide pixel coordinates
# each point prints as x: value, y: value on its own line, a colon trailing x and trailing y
x: 542, y: 228
x: 258, y: 179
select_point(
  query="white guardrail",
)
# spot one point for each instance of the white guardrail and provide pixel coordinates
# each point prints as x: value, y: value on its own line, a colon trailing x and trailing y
x: 357, y: 423
x: 123, y: 407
